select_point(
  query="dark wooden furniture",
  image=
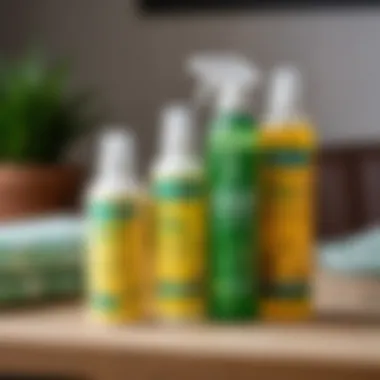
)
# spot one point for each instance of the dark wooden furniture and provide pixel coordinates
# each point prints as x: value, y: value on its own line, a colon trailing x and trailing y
x: 348, y: 189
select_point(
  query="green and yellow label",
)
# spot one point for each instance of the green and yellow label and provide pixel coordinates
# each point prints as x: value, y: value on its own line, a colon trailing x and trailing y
x: 180, y: 213
x: 113, y: 270
x: 287, y: 228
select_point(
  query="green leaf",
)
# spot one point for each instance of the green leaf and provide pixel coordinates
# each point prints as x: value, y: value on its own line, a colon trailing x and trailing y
x: 38, y: 119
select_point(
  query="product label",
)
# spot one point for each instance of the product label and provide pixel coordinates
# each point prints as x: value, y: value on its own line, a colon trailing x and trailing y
x: 180, y: 212
x: 287, y: 229
x: 233, y: 224
x: 113, y: 259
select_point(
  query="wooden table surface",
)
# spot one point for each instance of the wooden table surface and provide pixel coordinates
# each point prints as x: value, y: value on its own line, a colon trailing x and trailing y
x: 60, y: 340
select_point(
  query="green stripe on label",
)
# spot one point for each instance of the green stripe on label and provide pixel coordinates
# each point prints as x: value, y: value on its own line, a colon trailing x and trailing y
x: 287, y: 291
x: 240, y: 121
x: 179, y: 290
x: 287, y: 157
x: 106, y: 302
x: 179, y: 189
x: 112, y: 210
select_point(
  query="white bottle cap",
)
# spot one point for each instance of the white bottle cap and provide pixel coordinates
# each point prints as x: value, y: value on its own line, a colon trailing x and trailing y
x: 284, y: 95
x: 177, y: 131
x: 117, y: 154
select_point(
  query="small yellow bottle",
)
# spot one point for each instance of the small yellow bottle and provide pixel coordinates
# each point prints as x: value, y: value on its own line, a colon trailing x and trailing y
x: 114, y: 234
x: 179, y: 207
x: 287, y: 202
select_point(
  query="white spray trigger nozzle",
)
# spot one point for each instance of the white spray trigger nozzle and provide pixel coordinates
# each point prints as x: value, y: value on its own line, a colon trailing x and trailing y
x: 228, y: 75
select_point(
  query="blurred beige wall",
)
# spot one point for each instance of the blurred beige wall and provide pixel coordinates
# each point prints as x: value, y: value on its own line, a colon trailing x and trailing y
x: 137, y: 62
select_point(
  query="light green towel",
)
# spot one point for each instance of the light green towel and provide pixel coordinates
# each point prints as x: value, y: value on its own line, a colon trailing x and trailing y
x: 358, y: 254
x: 41, y: 259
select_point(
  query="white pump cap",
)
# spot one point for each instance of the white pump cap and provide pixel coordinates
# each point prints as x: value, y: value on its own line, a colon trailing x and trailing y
x: 116, y: 155
x: 177, y: 136
x: 231, y: 77
x: 284, y: 95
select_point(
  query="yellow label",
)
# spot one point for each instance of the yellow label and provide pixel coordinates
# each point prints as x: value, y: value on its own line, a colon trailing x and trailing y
x: 114, y: 260
x: 180, y: 213
x: 286, y: 224
x: 287, y: 227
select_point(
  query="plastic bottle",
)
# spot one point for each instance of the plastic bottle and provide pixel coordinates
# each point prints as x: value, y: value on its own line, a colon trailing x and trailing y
x: 147, y: 250
x: 232, y: 162
x: 287, y: 214
x: 114, y: 246
x: 179, y: 200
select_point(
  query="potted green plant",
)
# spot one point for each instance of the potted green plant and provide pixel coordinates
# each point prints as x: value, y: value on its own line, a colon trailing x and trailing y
x: 38, y: 122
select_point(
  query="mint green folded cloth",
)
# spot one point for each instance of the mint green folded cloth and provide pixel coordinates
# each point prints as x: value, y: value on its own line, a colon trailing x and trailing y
x: 358, y: 254
x: 41, y: 259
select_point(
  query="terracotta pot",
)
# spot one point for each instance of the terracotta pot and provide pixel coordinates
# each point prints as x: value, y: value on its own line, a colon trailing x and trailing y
x: 31, y: 190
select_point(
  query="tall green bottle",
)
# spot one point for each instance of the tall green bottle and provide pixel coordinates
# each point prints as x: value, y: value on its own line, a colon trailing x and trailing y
x: 233, y: 246
x: 232, y: 165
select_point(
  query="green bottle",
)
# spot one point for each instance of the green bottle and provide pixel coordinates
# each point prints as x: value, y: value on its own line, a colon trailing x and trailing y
x: 232, y: 168
x: 233, y: 245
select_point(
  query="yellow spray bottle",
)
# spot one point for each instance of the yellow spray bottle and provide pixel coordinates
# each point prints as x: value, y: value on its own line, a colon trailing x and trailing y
x: 179, y: 203
x: 114, y: 234
x: 287, y: 201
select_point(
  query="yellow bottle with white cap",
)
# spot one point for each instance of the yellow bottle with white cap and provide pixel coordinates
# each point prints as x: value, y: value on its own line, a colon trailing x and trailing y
x: 179, y: 203
x: 114, y: 234
x: 287, y: 201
